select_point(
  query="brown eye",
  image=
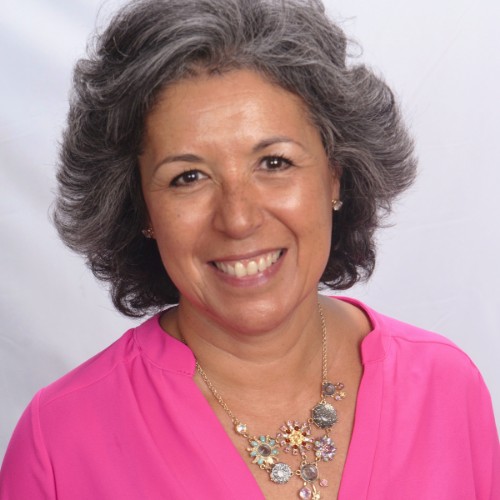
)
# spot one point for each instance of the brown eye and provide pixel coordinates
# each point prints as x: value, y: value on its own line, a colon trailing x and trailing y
x: 188, y: 177
x: 276, y: 163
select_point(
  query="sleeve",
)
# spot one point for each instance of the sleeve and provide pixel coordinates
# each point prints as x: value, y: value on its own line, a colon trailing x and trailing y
x: 26, y: 471
x: 484, y: 443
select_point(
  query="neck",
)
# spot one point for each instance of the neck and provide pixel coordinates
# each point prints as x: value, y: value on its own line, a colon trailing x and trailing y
x: 254, y: 362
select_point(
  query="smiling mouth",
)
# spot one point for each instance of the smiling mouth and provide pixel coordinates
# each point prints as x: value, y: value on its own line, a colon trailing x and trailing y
x: 250, y: 267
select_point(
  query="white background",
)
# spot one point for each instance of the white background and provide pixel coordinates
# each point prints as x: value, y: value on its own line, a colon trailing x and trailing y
x: 438, y: 265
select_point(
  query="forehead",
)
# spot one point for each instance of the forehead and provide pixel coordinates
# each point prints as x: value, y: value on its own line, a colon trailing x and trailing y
x: 232, y: 99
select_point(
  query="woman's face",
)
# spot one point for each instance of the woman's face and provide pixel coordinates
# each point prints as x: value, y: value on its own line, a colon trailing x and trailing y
x: 239, y: 195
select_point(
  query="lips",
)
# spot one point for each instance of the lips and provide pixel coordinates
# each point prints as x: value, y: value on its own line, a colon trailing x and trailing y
x: 248, y: 267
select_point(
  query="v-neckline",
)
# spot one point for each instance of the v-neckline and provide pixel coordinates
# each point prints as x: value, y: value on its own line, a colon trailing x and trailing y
x: 174, y: 356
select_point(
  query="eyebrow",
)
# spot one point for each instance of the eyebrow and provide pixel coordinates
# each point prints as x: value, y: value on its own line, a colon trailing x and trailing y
x: 275, y: 140
x: 188, y: 157
x: 265, y: 143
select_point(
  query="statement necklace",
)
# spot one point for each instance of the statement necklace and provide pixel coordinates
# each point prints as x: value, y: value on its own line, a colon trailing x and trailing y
x: 294, y: 437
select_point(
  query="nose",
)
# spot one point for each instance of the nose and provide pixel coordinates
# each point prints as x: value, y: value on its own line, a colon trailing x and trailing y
x: 239, y: 212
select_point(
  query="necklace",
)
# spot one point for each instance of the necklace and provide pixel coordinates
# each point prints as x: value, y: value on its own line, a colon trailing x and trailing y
x: 294, y: 437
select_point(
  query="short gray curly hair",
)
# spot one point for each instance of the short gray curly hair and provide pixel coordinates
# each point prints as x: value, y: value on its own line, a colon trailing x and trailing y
x: 150, y: 44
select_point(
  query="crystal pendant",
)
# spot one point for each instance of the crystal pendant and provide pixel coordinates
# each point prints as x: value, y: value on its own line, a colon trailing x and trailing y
x: 328, y: 389
x: 263, y: 450
x: 305, y: 493
x: 325, y: 448
x: 295, y: 437
x: 241, y: 428
x: 309, y: 472
x: 324, y: 415
x: 281, y: 473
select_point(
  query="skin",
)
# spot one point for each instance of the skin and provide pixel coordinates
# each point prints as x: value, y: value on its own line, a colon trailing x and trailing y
x: 232, y: 171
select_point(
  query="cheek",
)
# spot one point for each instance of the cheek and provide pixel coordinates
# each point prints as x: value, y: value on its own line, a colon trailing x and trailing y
x: 179, y: 226
x: 169, y: 227
x: 169, y: 215
x: 178, y: 246
x: 309, y: 202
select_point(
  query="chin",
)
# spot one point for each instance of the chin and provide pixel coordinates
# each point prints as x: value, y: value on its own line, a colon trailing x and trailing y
x: 253, y: 318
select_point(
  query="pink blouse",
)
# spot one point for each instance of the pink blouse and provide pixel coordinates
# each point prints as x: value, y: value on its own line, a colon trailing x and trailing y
x: 130, y: 423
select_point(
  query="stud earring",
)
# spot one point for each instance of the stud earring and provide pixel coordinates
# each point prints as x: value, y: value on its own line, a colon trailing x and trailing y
x: 148, y: 233
x: 337, y: 205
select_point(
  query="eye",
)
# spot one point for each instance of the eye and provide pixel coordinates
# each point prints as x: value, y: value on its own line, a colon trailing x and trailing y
x: 186, y: 178
x: 276, y: 163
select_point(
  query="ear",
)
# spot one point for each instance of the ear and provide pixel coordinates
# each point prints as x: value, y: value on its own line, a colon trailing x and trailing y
x: 147, y: 228
x: 335, y: 176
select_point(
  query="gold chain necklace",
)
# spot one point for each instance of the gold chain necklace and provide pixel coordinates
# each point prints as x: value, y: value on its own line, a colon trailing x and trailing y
x: 294, y: 437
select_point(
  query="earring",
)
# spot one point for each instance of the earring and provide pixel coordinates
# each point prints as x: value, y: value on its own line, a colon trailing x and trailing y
x: 337, y: 205
x: 148, y: 232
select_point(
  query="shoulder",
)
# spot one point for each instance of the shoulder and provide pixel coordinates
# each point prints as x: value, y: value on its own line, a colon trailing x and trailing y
x: 60, y: 412
x: 129, y: 361
x: 417, y: 347
x: 427, y: 371
x: 103, y: 368
x: 93, y: 371
x: 422, y: 397
x: 408, y: 349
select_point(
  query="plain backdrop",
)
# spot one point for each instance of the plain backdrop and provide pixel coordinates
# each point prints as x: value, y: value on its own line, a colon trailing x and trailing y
x: 437, y: 265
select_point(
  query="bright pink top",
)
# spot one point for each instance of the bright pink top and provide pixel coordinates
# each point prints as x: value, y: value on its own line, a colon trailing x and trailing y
x: 131, y: 423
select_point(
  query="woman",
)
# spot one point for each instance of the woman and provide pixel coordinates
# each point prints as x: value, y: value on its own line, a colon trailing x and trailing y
x: 221, y: 158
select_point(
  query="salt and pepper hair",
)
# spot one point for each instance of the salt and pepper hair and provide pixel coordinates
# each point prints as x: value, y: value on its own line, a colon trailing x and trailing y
x: 150, y: 44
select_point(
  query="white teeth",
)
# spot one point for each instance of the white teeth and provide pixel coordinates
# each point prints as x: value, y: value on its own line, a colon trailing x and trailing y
x: 262, y: 264
x: 240, y: 270
x: 252, y: 268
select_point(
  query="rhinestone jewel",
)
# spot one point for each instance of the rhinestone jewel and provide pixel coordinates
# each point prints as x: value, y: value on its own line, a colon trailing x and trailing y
x: 241, y: 428
x: 264, y: 450
x: 324, y: 415
x: 295, y: 437
x: 281, y: 473
x: 325, y: 448
x: 309, y: 472
x: 305, y: 493
x: 328, y: 389
x: 323, y: 482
